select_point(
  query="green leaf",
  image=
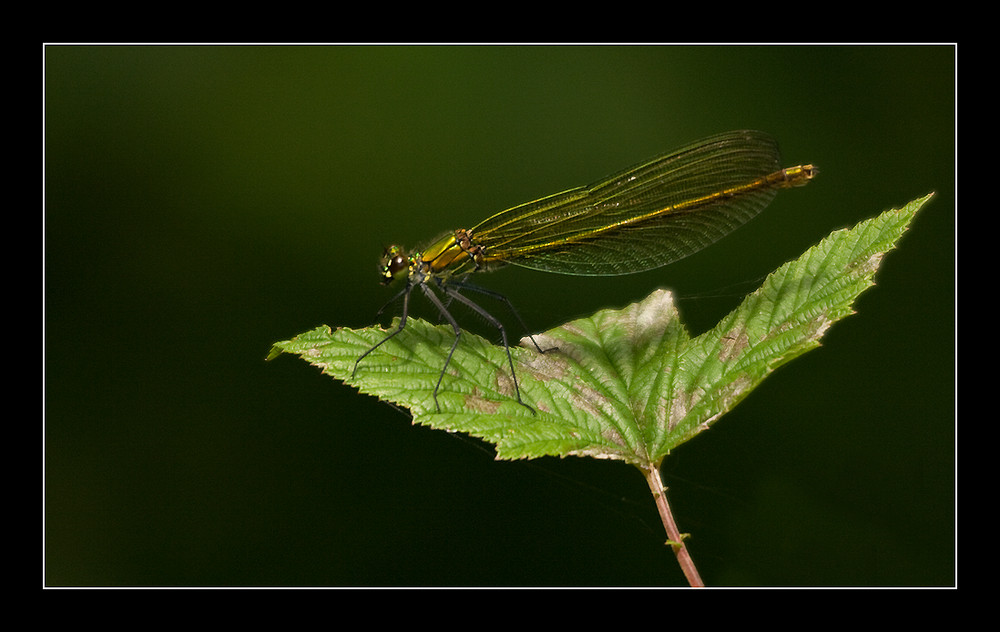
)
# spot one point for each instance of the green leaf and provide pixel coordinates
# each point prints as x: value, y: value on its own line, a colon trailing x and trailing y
x: 627, y: 384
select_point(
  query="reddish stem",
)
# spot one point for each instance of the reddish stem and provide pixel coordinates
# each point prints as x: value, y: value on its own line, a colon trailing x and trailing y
x: 674, y: 538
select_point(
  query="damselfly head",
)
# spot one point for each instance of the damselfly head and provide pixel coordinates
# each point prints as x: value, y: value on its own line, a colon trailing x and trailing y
x: 393, y: 264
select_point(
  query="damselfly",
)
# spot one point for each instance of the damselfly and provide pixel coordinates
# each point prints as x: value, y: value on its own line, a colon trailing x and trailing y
x: 642, y: 218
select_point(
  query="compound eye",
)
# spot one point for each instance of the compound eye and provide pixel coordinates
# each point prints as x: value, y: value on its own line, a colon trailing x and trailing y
x: 396, y: 265
x: 393, y: 263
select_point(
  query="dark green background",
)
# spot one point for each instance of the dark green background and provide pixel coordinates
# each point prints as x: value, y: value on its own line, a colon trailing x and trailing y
x: 204, y: 202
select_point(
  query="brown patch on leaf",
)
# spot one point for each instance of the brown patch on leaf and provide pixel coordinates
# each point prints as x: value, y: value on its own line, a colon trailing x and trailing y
x: 733, y: 344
